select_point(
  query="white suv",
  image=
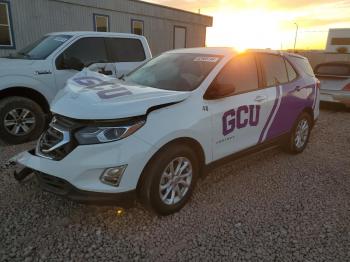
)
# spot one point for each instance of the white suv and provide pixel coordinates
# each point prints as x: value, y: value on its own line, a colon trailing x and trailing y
x: 30, y: 78
x: 152, y: 133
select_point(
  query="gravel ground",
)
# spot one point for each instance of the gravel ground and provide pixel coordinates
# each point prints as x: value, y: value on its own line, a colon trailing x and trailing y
x: 264, y: 207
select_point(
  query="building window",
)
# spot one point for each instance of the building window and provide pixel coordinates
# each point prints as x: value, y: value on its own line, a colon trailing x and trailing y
x: 101, y: 23
x: 137, y: 27
x: 6, y: 33
x: 340, y: 41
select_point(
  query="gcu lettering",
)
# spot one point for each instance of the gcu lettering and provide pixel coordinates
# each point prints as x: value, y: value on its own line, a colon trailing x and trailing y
x: 240, y: 118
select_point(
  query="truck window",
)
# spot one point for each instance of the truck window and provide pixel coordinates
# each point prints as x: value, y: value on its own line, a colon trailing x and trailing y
x: 41, y: 48
x: 242, y: 72
x: 88, y: 50
x: 125, y: 50
x: 274, y: 69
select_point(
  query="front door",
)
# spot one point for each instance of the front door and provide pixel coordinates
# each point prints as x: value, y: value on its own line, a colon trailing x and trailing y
x: 238, y: 119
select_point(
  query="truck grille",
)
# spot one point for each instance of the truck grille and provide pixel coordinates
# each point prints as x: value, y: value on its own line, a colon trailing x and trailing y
x: 55, y: 143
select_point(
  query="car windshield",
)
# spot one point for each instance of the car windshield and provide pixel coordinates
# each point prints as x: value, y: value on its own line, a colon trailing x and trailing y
x: 174, y: 71
x: 42, y: 48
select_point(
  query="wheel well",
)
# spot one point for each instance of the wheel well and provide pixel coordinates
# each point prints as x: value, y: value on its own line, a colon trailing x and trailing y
x: 27, y: 93
x: 309, y: 111
x: 192, y: 143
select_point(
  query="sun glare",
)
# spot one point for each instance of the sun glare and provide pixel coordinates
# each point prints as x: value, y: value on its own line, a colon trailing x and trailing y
x: 246, y: 29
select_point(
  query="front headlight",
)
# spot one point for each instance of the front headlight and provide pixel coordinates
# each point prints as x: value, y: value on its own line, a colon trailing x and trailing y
x: 96, y: 134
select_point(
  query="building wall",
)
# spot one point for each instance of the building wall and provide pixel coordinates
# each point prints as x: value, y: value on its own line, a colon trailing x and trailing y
x: 34, y: 18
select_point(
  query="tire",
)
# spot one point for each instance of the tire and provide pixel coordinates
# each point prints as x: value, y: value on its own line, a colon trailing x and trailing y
x: 301, y: 129
x: 149, y: 191
x: 31, y: 120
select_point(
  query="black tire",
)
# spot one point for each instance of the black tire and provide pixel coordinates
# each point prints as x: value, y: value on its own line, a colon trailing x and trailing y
x: 291, y: 144
x: 149, y: 188
x: 10, y: 103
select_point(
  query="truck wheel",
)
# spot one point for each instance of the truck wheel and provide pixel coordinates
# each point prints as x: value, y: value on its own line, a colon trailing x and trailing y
x: 300, y: 134
x: 169, y: 179
x: 21, y: 120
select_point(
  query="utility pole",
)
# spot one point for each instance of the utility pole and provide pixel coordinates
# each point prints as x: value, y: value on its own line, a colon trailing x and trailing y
x: 296, y: 36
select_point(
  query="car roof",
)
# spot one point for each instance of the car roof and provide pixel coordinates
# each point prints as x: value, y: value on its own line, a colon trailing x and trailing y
x: 225, y: 51
x: 92, y: 33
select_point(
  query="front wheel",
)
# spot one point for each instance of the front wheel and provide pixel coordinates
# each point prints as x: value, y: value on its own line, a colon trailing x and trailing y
x: 21, y: 120
x: 169, y: 179
x: 300, y: 134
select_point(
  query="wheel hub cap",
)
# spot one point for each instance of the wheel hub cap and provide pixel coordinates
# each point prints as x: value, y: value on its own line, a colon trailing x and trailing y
x: 302, y: 133
x: 19, y: 121
x: 175, y: 181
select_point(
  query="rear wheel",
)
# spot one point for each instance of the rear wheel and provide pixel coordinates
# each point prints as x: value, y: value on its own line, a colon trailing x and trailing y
x: 21, y: 120
x: 169, y: 179
x: 300, y: 134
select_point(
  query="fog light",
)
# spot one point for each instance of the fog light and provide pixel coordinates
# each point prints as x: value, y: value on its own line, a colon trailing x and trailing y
x: 112, y: 176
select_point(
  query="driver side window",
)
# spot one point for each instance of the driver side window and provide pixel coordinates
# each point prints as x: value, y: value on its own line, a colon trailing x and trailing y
x: 86, y: 51
x: 240, y: 74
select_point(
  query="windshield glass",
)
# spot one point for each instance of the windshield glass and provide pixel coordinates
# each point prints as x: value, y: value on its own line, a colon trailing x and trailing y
x: 174, y: 71
x: 42, y: 48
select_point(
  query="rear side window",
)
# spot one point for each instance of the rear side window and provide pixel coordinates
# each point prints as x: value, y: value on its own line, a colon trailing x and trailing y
x: 336, y: 70
x: 302, y: 64
x: 274, y: 69
x: 241, y: 72
x: 290, y: 71
x: 125, y: 50
x: 88, y: 50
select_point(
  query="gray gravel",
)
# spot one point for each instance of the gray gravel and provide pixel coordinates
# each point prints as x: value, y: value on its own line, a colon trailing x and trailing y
x: 264, y: 207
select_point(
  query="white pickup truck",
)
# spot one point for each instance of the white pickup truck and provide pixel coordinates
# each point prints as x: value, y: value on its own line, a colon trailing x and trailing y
x: 30, y: 78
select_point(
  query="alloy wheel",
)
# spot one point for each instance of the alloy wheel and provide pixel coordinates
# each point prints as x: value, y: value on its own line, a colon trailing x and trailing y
x: 175, y: 180
x: 301, y: 133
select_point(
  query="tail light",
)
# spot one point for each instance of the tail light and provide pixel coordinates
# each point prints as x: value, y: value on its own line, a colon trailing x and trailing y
x: 347, y: 87
x: 318, y: 84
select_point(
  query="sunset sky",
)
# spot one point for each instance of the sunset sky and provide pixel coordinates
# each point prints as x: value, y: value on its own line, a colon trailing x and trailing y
x: 269, y: 24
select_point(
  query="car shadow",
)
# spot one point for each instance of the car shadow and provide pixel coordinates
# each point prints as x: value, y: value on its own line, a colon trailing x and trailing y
x: 334, y: 107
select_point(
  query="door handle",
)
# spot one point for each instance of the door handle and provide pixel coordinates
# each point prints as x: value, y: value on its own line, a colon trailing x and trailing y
x: 260, y: 98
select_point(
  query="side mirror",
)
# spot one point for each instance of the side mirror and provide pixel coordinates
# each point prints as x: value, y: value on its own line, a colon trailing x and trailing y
x: 219, y: 90
x: 73, y: 63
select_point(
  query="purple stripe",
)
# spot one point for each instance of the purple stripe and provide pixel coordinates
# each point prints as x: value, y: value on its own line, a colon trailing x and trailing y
x: 270, y: 116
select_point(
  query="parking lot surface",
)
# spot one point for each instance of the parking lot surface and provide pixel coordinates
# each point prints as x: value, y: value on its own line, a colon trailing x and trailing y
x: 269, y: 206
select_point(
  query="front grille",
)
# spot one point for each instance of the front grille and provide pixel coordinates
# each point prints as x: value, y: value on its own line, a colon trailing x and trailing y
x: 56, y: 142
x: 50, y: 138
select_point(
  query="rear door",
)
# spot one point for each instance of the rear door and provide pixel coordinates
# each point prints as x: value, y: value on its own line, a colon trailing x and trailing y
x: 238, y: 119
x: 294, y: 93
x: 126, y: 54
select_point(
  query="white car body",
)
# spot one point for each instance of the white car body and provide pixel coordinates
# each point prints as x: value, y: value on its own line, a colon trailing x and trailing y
x: 171, y: 115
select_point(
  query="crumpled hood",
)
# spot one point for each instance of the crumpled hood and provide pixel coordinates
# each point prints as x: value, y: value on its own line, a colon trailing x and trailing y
x: 90, y: 95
